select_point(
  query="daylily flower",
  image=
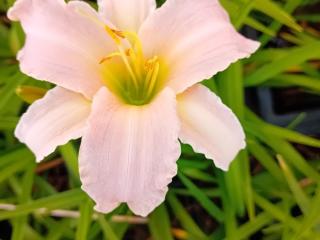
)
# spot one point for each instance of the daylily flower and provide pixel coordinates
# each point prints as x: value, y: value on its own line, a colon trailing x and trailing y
x: 128, y: 83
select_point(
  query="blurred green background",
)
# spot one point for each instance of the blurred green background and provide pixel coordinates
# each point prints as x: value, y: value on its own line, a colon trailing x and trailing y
x: 272, y: 190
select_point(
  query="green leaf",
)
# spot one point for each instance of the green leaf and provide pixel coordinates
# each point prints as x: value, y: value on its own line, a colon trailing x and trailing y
x: 266, y: 160
x: 259, y: 26
x: 297, y: 80
x: 204, y: 201
x: 20, y: 224
x: 14, y: 167
x: 251, y: 227
x: 8, y: 123
x: 311, y: 219
x: 106, y: 228
x: 8, y: 91
x: 257, y: 125
x: 244, y: 11
x: 289, y: 7
x: 298, y: 193
x: 293, y: 156
x: 62, y: 200
x: 185, y: 219
x: 159, y: 224
x: 86, y: 211
x: 279, y: 65
x: 274, y: 210
x: 15, y: 155
x: 309, y: 17
x: 58, y: 229
x: 271, y: 9
x: 199, y: 175
x: 70, y: 155
x: 16, y: 38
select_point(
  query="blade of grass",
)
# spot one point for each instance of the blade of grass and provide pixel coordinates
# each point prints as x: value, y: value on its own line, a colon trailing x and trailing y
x: 199, y: 175
x: 293, y: 156
x: 311, y: 219
x: 8, y: 91
x: 66, y: 199
x: 274, y: 211
x: 57, y: 230
x: 259, y: 26
x: 230, y: 218
x: 247, y: 184
x: 289, y: 7
x: 257, y: 125
x: 291, y: 58
x: 86, y: 211
x: 243, y: 13
x: 273, y: 10
x: 19, y: 224
x: 185, y: 219
x: 299, y: 195
x: 210, y: 192
x: 204, y: 201
x: 8, y: 123
x: 106, y: 228
x: 9, y: 157
x: 192, y: 164
x: 298, y: 80
x: 266, y: 160
x: 14, y: 167
x: 309, y: 17
x: 231, y: 89
x: 70, y: 156
x: 287, y: 151
x: 249, y: 228
x: 159, y: 224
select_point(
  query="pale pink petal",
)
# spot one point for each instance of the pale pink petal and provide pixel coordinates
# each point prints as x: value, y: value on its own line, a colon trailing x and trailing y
x: 128, y: 153
x: 195, y: 39
x: 209, y: 126
x: 126, y: 14
x: 64, y: 43
x: 52, y: 121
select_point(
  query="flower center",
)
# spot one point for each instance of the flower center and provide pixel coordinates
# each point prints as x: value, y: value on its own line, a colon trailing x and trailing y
x: 128, y: 74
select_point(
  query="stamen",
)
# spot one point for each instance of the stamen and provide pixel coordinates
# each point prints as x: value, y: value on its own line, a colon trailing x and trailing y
x: 127, y: 64
x: 154, y: 77
x: 140, y: 87
x: 110, y: 56
x: 114, y: 34
x: 149, y: 65
x: 118, y: 33
x: 134, y: 41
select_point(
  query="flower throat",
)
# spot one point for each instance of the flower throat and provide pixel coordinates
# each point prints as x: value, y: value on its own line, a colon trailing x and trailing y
x: 128, y: 74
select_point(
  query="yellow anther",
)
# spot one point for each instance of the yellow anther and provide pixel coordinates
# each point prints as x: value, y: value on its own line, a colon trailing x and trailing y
x: 118, y: 33
x: 150, y: 63
x: 129, y: 52
x: 110, y: 56
x: 134, y: 41
x: 114, y: 34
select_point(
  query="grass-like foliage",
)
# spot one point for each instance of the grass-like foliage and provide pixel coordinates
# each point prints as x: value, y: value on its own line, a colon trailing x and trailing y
x: 272, y: 190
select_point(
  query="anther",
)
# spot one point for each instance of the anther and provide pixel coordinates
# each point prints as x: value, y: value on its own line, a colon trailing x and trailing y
x: 110, y: 56
x: 114, y: 34
x: 150, y: 64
